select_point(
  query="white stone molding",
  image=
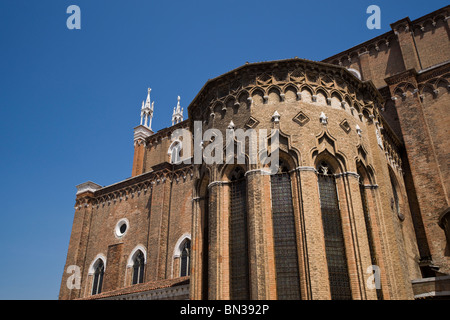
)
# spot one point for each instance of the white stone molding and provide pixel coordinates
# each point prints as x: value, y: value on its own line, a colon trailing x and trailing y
x: 93, y: 264
x: 87, y: 186
x: 133, y: 253
x: 181, y: 240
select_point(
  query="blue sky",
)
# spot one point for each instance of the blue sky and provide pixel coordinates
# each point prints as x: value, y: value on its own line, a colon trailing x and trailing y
x: 69, y: 99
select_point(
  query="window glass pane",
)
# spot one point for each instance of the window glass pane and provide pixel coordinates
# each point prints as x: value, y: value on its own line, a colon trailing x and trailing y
x: 138, y: 268
x: 98, y: 278
x: 185, y: 259
x: 334, y: 239
x: 285, y: 243
x: 239, y: 276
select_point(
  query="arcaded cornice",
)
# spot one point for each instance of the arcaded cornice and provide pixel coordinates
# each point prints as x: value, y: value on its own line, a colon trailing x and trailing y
x: 235, y: 88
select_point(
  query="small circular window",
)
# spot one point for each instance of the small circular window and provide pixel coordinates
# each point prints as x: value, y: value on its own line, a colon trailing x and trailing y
x: 121, y: 227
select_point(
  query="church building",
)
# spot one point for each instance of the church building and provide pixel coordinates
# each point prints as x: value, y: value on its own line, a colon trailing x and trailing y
x: 357, y: 208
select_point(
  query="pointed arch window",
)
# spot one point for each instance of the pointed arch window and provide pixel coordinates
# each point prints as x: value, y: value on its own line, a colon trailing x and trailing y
x: 285, y: 242
x: 334, y: 239
x: 185, y: 258
x: 98, y: 277
x: 138, y: 268
x: 238, y: 246
x: 174, y: 152
x: 395, y: 202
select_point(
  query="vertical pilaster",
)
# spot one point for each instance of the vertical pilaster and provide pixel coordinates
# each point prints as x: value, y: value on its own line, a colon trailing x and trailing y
x: 318, y: 272
x: 359, y: 240
x: 76, y: 254
x: 115, y: 270
x: 140, y: 135
x: 164, y: 230
x: 404, y: 33
x: 397, y: 277
x: 364, y: 62
x: 218, y: 270
x: 196, y: 251
x: 261, y: 255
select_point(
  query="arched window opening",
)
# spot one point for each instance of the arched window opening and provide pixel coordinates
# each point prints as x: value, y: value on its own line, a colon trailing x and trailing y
x: 239, y: 269
x: 334, y: 239
x: 285, y: 242
x: 174, y: 152
x: 185, y: 258
x: 98, y: 277
x: 138, y: 268
x: 395, y: 202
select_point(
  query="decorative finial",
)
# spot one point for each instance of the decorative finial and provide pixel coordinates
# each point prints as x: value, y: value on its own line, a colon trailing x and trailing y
x: 177, y: 116
x: 323, y: 118
x: 147, y: 111
x: 276, y: 117
x: 358, y: 130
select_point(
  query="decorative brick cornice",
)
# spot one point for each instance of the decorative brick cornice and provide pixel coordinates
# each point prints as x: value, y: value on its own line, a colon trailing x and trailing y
x: 236, y: 88
x: 433, y: 72
x: 404, y: 76
x: 135, y: 186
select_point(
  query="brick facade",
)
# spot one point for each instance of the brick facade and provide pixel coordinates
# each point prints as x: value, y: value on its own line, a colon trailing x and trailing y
x: 384, y: 134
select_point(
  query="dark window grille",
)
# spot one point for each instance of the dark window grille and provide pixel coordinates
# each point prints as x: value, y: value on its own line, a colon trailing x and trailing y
x: 239, y: 270
x: 334, y: 239
x: 369, y: 230
x: 98, y: 278
x: 394, y: 192
x: 138, y: 268
x: 285, y: 242
x: 185, y: 259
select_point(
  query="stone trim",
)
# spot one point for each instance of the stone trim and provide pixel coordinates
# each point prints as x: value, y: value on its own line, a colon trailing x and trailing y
x: 171, y: 293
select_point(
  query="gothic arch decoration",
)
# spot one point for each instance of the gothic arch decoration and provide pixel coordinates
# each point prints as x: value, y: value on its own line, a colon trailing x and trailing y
x: 97, y: 271
x: 133, y: 254
x: 397, y: 199
x: 293, y: 79
x: 362, y: 154
x: 327, y: 146
x: 429, y: 24
x: 286, y: 151
x: 435, y: 86
x: 92, y: 266
x: 174, y: 151
x: 403, y: 89
x: 182, y: 252
x: 335, y: 250
x: 274, y: 94
x: 137, y: 262
x: 179, y: 244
